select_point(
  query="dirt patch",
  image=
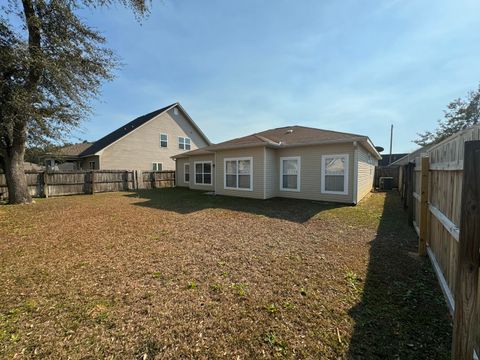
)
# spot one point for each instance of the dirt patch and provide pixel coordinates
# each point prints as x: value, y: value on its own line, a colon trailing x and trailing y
x: 177, y: 274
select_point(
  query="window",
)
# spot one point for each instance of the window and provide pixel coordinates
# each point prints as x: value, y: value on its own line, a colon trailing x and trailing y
x: 335, y: 174
x: 203, y: 172
x: 157, y: 166
x: 290, y: 173
x: 183, y: 143
x: 186, y: 173
x: 91, y: 165
x: 163, y: 140
x: 238, y: 173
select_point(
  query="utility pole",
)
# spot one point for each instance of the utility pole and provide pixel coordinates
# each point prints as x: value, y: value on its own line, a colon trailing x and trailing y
x: 391, y: 142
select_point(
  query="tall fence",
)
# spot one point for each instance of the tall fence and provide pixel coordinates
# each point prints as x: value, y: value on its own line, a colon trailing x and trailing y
x: 59, y: 183
x: 442, y: 194
x: 386, y: 171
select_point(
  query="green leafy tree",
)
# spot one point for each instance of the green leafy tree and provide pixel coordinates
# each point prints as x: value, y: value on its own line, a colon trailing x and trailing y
x: 460, y: 114
x: 51, y: 65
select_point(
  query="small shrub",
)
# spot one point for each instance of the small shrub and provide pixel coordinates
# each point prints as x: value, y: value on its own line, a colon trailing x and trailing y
x: 192, y: 285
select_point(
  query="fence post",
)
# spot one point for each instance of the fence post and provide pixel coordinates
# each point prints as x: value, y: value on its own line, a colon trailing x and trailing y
x: 466, y: 284
x: 45, y: 183
x: 410, y: 190
x: 153, y: 178
x: 422, y: 238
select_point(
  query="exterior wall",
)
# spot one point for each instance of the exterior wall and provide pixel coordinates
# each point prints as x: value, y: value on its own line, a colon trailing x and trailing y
x: 139, y: 149
x: 272, y: 169
x: 366, y: 172
x: 85, y: 162
x: 257, y: 153
x: 179, y: 169
x: 194, y: 159
x: 310, y: 172
x: 179, y: 172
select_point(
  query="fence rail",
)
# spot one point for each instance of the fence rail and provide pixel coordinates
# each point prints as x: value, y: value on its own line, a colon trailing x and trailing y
x: 440, y: 191
x: 59, y: 183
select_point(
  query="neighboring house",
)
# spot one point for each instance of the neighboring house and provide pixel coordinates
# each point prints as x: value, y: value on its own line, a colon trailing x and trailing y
x: 292, y: 161
x: 385, y: 160
x: 411, y: 156
x: 145, y: 143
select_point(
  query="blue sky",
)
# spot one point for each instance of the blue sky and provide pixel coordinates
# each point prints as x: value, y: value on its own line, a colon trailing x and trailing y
x: 244, y: 66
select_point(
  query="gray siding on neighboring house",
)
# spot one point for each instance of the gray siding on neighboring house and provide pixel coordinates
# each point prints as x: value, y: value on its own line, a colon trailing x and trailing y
x: 366, y: 172
x: 310, y: 171
x: 257, y: 153
x: 140, y: 148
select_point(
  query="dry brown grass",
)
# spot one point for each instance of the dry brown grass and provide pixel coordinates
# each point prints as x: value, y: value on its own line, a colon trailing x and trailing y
x: 178, y: 274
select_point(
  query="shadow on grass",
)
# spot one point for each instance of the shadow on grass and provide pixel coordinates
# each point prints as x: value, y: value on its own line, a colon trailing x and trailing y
x: 185, y: 201
x: 402, y: 313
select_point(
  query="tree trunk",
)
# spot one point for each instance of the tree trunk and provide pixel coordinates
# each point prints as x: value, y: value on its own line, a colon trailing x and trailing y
x: 15, y: 173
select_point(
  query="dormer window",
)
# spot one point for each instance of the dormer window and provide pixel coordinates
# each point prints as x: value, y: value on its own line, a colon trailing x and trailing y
x: 163, y: 140
x: 184, y: 143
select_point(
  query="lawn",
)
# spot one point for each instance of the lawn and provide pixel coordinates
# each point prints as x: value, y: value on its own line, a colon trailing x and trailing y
x: 178, y: 274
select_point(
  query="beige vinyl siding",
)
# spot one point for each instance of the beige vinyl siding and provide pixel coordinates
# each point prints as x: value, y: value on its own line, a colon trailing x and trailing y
x: 366, y: 172
x: 257, y: 153
x: 271, y: 173
x: 140, y: 148
x: 310, y: 171
x: 194, y: 159
x: 179, y: 178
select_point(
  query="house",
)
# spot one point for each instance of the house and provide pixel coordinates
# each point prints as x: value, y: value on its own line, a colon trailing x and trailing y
x: 410, y: 157
x: 385, y: 160
x: 293, y: 161
x: 145, y: 143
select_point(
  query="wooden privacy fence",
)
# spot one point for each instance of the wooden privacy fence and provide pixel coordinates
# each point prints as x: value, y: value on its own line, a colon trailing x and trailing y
x: 157, y: 179
x: 442, y: 194
x: 386, y: 171
x: 59, y: 183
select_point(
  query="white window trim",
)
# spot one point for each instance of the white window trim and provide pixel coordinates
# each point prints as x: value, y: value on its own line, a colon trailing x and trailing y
x: 195, y: 172
x: 298, y: 175
x: 184, y: 144
x: 345, y: 175
x: 225, y: 187
x: 90, y: 165
x: 163, y: 147
x: 184, y: 172
x: 157, y: 162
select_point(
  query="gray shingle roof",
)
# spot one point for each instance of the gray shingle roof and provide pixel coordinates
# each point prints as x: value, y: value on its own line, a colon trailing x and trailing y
x: 122, y: 131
